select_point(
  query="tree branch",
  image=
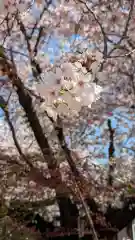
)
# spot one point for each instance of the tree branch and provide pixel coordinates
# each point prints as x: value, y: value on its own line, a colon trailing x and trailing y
x: 101, y: 27
x: 76, y: 175
x: 111, y: 154
x: 125, y: 31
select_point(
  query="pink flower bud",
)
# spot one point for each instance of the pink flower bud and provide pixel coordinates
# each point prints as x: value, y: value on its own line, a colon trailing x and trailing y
x: 110, y: 113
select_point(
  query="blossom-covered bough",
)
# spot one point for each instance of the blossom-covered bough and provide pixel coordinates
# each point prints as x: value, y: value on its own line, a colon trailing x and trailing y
x: 50, y: 107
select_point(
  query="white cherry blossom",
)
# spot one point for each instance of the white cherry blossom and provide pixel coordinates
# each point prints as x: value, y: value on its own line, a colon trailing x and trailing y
x: 79, y: 67
x: 88, y: 95
x: 80, y: 81
x: 62, y: 109
x: 73, y: 104
x: 68, y: 85
x: 51, y: 86
x: 98, y: 56
x: 68, y: 72
x: 80, y: 91
x: 95, y: 67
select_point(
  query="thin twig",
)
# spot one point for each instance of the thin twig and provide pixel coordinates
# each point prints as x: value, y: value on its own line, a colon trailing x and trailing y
x: 111, y: 151
x: 101, y: 27
x: 76, y: 175
x: 121, y: 56
x: 36, y: 70
x: 41, y: 30
x: 40, y: 17
x: 14, y: 134
x: 125, y: 31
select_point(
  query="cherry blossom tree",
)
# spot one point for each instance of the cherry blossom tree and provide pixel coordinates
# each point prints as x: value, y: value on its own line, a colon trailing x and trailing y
x: 50, y: 108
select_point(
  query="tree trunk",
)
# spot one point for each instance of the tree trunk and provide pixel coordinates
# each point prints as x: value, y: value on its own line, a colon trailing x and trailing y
x: 25, y: 101
x: 68, y: 218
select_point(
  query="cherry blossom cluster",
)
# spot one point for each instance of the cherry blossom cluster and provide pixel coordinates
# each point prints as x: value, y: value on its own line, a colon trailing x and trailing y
x: 11, y: 6
x: 69, y: 87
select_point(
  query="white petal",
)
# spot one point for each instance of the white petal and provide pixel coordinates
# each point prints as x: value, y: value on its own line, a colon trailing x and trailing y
x: 87, y: 77
x: 41, y: 89
x: 67, y: 84
x: 51, y: 96
x: 68, y: 70
x: 102, y: 76
x: 43, y: 107
x: 94, y: 67
x: 87, y: 100
x: 50, y: 79
x: 62, y: 109
x: 67, y: 97
x: 78, y: 65
x: 98, y: 89
x: 75, y: 105
x: 84, y: 70
x: 76, y: 90
x: 52, y: 113
x: 58, y: 73
x: 66, y: 66
x: 89, y: 52
x: 90, y: 94
x: 99, y: 56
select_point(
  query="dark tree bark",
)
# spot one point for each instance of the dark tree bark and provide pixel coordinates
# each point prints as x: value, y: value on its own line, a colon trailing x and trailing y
x: 25, y: 101
x: 68, y: 219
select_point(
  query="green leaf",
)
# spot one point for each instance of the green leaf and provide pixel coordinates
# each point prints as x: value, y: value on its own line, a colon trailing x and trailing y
x: 130, y: 189
x: 3, y: 211
x: 117, y: 45
x: 2, y: 105
x: 62, y: 91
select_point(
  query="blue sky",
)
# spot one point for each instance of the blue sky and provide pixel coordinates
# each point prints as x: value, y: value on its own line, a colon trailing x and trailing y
x: 123, y: 122
x: 56, y: 47
x: 1, y: 113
